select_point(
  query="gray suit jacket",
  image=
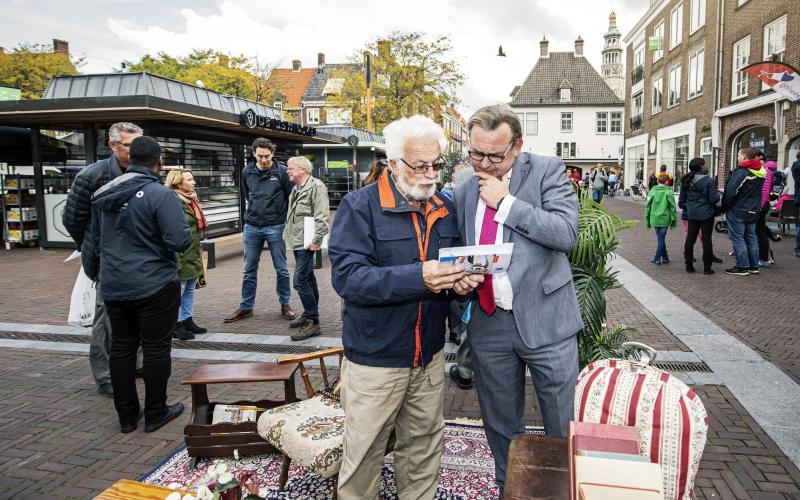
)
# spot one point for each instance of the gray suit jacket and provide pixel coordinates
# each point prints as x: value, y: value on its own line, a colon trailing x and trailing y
x: 543, y: 225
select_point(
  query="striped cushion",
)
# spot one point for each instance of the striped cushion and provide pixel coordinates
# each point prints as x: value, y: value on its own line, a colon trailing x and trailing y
x: 669, y: 416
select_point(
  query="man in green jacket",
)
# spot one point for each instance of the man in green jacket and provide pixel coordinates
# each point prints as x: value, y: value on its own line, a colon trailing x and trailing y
x: 660, y: 213
x: 309, y: 198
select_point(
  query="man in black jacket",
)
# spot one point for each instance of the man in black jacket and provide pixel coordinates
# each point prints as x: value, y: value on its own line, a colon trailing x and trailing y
x: 77, y: 219
x: 266, y: 187
x: 137, y: 226
x: 742, y: 204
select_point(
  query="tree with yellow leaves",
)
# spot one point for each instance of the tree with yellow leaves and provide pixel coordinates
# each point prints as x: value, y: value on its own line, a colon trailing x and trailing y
x: 29, y: 68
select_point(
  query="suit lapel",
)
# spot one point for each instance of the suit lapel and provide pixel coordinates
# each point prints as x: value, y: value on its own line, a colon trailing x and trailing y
x: 471, y: 208
x: 522, y: 168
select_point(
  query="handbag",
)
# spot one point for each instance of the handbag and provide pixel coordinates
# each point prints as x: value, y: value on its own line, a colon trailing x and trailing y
x: 82, y: 301
x: 669, y: 416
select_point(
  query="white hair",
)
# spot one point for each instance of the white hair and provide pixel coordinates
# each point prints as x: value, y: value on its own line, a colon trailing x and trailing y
x: 400, y: 131
x: 127, y: 127
x: 302, y: 162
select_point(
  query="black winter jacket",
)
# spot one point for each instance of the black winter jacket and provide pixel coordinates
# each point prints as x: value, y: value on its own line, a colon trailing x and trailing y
x: 267, y: 194
x: 137, y: 226
x: 743, y: 194
x: 699, y: 198
x: 77, y: 215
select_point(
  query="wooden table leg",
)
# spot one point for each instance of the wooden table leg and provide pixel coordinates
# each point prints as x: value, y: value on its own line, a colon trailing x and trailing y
x: 290, y: 396
x: 200, y: 404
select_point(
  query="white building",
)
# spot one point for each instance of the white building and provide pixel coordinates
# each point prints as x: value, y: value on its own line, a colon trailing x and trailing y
x: 567, y: 109
x: 612, y: 68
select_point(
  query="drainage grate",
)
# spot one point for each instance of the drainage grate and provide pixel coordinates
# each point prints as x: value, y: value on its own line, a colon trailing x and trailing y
x: 679, y: 366
x: 179, y: 344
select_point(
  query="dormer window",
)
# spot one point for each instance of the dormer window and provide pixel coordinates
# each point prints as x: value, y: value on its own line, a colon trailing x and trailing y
x: 566, y: 95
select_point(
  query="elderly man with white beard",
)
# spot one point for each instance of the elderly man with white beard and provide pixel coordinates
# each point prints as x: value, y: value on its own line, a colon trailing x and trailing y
x: 384, y: 244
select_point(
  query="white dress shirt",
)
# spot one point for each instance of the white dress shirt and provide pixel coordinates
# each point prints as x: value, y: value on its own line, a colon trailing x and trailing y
x: 503, y: 294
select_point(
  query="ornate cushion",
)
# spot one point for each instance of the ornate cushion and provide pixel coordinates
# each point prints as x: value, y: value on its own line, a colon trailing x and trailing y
x: 310, y: 432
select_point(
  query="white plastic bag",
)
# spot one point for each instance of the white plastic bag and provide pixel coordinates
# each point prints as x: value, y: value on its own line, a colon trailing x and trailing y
x: 82, y: 302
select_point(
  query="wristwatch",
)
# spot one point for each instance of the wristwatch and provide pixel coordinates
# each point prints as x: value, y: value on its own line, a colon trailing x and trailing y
x: 499, y: 202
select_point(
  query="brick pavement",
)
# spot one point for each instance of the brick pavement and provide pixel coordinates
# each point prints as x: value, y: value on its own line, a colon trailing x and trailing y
x: 59, y: 439
x: 758, y: 309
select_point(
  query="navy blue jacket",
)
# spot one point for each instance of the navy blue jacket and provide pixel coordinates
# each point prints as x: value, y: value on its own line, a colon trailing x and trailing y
x: 267, y: 194
x: 390, y: 319
x: 137, y: 225
x: 699, y: 199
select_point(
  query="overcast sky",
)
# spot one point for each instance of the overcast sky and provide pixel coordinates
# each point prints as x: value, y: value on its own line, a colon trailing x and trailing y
x: 105, y: 32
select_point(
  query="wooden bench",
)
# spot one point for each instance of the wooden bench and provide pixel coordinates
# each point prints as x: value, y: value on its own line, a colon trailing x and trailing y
x: 204, y: 439
x: 209, y: 246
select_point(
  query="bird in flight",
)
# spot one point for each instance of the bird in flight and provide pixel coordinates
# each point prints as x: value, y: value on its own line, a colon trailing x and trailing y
x: 500, y: 52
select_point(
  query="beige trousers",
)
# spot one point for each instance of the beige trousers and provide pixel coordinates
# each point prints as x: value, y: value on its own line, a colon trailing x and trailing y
x: 378, y: 400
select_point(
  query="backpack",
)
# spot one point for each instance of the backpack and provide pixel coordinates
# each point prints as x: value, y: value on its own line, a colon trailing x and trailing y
x: 671, y: 420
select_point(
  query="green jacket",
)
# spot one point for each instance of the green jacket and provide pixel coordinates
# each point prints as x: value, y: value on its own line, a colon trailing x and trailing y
x: 311, y: 200
x: 190, y: 262
x: 660, y: 209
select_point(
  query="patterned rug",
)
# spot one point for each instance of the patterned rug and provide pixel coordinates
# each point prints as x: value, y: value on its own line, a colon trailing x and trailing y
x: 467, y: 470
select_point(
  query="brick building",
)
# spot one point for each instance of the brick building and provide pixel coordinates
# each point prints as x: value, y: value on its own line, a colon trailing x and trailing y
x: 670, y: 89
x: 757, y: 30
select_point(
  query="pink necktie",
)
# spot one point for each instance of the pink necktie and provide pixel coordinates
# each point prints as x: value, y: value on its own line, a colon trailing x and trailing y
x: 488, y: 235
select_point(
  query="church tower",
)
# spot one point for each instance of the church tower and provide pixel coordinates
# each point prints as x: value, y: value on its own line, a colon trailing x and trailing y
x: 612, y: 68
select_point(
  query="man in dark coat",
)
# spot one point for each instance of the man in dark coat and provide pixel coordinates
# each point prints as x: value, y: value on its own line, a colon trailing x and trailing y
x: 137, y: 226
x: 77, y: 218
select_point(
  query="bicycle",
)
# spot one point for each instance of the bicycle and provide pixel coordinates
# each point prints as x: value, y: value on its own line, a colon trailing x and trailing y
x: 639, y: 192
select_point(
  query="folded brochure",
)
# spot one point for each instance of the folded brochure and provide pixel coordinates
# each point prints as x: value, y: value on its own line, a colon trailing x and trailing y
x: 479, y: 259
x: 234, y: 414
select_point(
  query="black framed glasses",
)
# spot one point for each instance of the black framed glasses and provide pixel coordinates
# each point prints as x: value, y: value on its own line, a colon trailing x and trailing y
x: 478, y: 156
x: 421, y: 168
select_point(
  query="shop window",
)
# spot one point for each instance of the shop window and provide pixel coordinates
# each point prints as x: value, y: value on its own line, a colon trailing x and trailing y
x: 215, y: 171
x: 675, y: 155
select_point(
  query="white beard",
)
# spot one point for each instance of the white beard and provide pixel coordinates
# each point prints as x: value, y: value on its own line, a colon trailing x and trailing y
x: 415, y: 193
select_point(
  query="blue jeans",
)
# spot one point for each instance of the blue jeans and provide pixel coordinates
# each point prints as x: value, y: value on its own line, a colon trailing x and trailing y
x: 187, y: 299
x: 254, y: 238
x: 306, y: 283
x: 661, y: 247
x: 597, y: 194
x: 744, y: 241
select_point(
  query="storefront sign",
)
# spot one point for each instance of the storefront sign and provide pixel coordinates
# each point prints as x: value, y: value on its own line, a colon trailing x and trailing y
x: 338, y: 164
x: 251, y: 119
x: 780, y: 77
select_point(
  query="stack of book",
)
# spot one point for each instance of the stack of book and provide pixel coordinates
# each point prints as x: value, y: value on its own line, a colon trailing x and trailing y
x: 605, y: 463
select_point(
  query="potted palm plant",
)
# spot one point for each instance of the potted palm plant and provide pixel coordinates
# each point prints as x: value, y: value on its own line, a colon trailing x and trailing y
x: 597, y: 240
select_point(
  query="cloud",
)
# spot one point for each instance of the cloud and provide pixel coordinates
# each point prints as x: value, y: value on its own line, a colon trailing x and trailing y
x: 282, y: 30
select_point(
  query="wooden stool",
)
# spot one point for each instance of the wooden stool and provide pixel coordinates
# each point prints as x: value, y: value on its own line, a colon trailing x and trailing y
x: 538, y: 467
x: 225, y: 439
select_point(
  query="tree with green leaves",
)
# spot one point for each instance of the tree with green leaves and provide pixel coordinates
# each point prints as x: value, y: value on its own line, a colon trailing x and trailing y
x: 30, y: 67
x: 218, y: 71
x: 411, y: 74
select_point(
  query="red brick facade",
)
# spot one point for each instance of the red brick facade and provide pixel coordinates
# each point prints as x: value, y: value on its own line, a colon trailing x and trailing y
x: 749, y: 19
x: 701, y: 107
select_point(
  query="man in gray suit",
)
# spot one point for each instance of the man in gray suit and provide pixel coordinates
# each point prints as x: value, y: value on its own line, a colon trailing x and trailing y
x: 528, y: 316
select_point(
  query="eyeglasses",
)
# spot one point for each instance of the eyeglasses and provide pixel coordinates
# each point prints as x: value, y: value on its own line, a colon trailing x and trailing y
x: 421, y: 168
x: 478, y: 156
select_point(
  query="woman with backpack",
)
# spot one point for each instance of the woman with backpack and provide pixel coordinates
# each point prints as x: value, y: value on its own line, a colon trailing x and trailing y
x: 699, y: 198
x: 660, y: 213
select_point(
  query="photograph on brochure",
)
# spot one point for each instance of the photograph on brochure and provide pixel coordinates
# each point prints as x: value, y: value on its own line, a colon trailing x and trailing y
x: 479, y: 259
